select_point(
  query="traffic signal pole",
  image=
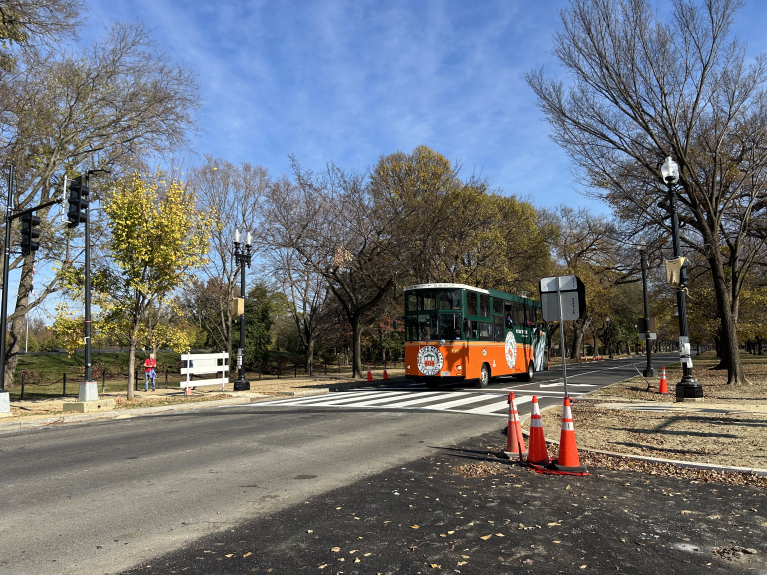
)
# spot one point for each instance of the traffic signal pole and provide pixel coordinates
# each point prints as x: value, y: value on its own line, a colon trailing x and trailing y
x: 4, y: 307
x: 88, y: 388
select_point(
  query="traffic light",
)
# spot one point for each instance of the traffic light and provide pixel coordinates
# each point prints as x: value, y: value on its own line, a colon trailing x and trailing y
x: 78, y: 202
x: 30, y: 231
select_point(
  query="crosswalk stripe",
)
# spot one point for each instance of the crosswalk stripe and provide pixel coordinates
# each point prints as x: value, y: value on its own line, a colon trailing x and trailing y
x: 321, y: 398
x: 461, y: 401
x: 433, y: 401
x: 368, y: 402
x: 431, y: 397
x: 499, y: 405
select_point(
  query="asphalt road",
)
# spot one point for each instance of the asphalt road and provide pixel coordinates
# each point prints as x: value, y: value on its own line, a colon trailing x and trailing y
x: 101, y: 497
x: 424, y: 518
x: 104, y: 496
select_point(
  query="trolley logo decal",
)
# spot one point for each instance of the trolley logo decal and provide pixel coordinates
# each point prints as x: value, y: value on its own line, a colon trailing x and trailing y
x: 429, y: 360
x: 511, y: 350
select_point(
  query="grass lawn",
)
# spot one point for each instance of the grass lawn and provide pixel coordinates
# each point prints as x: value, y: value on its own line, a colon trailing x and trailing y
x: 45, y: 372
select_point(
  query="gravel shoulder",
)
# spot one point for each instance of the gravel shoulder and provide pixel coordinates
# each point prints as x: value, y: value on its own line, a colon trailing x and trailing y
x: 728, y: 428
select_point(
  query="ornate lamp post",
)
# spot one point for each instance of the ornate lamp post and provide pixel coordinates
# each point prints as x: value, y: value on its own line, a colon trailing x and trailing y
x: 688, y: 389
x: 648, y: 370
x: 242, y: 258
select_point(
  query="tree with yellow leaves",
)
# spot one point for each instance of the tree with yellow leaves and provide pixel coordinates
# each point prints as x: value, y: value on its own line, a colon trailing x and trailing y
x: 158, y: 236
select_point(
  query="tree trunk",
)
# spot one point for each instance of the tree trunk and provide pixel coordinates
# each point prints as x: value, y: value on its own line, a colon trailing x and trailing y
x: 16, y: 329
x: 730, y: 356
x: 131, y: 368
x: 310, y: 355
x: 357, y: 350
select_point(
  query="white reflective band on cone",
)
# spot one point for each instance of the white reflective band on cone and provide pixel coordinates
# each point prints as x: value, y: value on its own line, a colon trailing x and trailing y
x: 536, y: 422
x: 568, y: 426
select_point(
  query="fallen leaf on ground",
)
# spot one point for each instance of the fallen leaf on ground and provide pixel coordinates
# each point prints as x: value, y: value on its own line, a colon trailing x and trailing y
x: 335, y: 549
x: 228, y: 555
x: 248, y: 554
x: 486, y: 537
x: 414, y: 527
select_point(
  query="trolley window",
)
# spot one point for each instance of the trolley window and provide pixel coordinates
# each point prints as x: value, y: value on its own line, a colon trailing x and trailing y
x: 498, y: 322
x: 450, y: 326
x: 486, y: 330
x: 484, y: 305
x: 450, y: 300
x: 471, y: 303
x: 497, y: 305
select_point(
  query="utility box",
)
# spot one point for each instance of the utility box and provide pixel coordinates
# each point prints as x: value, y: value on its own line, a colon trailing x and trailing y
x: 238, y: 306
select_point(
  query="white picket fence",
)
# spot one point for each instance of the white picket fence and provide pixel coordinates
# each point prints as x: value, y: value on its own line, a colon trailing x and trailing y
x: 205, y: 364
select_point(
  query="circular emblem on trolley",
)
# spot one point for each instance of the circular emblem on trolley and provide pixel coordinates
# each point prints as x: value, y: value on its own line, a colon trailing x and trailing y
x: 429, y: 360
x: 511, y: 350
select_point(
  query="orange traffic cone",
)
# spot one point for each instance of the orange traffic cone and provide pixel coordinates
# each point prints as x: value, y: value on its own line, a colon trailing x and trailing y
x: 577, y: 360
x: 537, y: 453
x: 567, y: 460
x: 585, y: 359
x: 370, y: 375
x: 662, y: 386
x: 385, y: 375
x: 515, y: 444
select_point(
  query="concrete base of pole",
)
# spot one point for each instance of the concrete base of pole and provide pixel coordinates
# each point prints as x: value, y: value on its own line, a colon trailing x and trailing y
x: 242, y: 385
x: 5, y: 404
x: 89, y: 406
x: 689, y: 390
x: 89, y: 391
x: 648, y: 372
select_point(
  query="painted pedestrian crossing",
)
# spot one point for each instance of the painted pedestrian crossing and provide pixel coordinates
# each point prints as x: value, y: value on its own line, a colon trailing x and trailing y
x: 474, y: 403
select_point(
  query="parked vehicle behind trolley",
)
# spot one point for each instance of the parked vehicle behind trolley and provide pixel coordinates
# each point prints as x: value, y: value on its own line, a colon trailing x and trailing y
x: 456, y: 333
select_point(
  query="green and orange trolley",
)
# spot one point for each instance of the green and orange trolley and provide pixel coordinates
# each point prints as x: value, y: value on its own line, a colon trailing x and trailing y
x: 456, y: 333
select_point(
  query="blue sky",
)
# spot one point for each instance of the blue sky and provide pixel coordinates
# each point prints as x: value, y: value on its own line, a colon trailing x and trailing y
x: 349, y: 81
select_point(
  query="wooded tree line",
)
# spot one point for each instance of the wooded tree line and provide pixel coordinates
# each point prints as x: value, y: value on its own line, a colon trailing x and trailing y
x: 334, y: 247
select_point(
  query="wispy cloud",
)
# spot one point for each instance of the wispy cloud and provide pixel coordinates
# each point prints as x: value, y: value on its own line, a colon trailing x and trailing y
x: 350, y: 80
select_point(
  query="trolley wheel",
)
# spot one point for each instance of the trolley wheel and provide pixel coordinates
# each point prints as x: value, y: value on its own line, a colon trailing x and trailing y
x: 528, y: 376
x: 484, y: 376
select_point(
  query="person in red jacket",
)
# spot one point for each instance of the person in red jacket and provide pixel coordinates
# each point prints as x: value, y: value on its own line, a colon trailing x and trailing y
x: 150, y: 364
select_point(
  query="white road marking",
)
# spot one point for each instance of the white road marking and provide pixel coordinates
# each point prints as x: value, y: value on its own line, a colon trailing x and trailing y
x: 501, y: 405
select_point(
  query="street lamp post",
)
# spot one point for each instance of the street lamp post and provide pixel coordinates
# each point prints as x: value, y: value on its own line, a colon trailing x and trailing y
x: 242, y: 258
x: 648, y: 370
x: 688, y: 389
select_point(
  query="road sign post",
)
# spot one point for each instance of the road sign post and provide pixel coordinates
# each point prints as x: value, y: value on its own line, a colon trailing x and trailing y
x: 563, y: 298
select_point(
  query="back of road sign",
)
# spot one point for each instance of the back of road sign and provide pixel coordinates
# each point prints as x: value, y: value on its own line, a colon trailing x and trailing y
x: 572, y: 294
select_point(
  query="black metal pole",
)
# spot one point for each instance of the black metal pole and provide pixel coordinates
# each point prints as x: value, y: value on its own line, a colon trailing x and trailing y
x: 648, y: 370
x: 242, y: 258
x: 6, y: 264
x: 688, y: 388
x: 87, y: 292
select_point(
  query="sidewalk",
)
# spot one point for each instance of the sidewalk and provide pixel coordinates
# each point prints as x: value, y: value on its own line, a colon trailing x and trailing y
x: 37, y: 412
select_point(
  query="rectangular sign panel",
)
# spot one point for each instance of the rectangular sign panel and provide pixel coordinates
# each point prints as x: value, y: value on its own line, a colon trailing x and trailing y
x: 571, y: 309
x: 566, y: 283
x: 644, y: 336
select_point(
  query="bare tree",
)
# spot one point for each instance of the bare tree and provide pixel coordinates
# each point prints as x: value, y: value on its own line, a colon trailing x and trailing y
x: 99, y: 108
x: 331, y: 222
x: 233, y: 193
x: 308, y: 294
x: 31, y: 23
x: 643, y: 90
